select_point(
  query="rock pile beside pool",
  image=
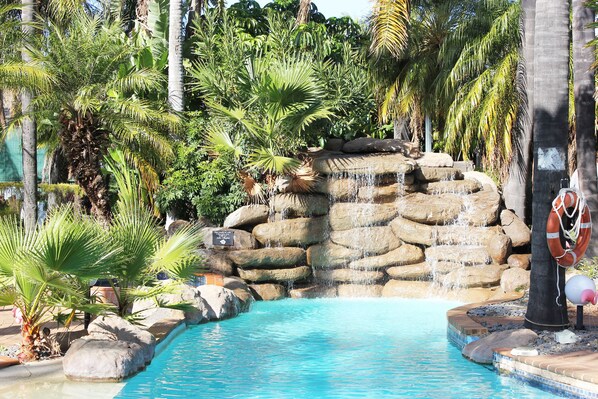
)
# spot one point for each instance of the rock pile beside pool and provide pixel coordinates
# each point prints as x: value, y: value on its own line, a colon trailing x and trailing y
x: 115, y: 349
x: 381, y: 212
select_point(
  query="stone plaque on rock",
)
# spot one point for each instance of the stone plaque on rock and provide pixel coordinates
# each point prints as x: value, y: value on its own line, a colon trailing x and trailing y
x: 223, y: 237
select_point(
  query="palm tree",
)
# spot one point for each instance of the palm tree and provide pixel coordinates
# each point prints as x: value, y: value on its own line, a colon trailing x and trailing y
x: 585, y: 106
x: 175, y: 56
x: 303, y: 13
x: 143, y: 251
x: 517, y: 188
x: 46, y: 271
x: 547, y: 308
x: 96, y: 101
x: 283, y: 100
x: 29, y: 134
x: 489, y: 93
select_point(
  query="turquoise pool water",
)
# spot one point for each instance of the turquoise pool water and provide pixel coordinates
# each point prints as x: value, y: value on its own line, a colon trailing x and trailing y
x: 324, y: 348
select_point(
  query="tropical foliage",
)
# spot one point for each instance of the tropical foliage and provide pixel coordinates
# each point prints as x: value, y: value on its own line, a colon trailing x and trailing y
x: 47, y: 271
x: 143, y: 250
x: 96, y: 98
x: 459, y: 64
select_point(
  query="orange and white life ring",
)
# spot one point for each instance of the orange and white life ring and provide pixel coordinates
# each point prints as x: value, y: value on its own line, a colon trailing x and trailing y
x: 582, y: 230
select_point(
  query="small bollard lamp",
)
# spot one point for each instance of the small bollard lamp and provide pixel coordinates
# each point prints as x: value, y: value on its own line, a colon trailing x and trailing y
x: 580, y: 290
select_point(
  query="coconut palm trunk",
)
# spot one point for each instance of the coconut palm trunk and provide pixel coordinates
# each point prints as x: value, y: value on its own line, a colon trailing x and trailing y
x: 303, y: 13
x: 547, y: 308
x: 517, y: 190
x: 175, y: 56
x: 585, y: 115
x: 29, y: 135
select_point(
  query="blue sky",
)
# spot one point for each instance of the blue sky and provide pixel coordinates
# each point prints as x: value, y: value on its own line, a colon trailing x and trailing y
x: 357, y: 9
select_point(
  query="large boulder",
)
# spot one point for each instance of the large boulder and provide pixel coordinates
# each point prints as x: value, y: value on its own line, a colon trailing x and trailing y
x: 292, y: 232
x: 114, y: 328
x: 345, y: 216
x: 482, y: 178
x: 313, y: 291
x: 274, y: 257
x: 430, y: 209
x: 100, y: 360
x: 386, y: 193
x: 368, y: 144
x: 241, y: 239
x: 468, y: 235
x: 464, y: 254
x: 515, y: 228
x: 338, y: 189
x: 521, y: 261
x: 222, y: 302
x: 268, y: 291
x: 217, y: 261
x: 349, y: 276
x: 360, y: 290
x: 482, y: 208
x: 435, y: 160
x: 426, y: 174
x: 248, y: 215
x: 408, y: 289
x: 421, y: 271
x: 474, y: 276
x: 452, y: 187
x: 334, y: 144
x: 278, y: 275
x: 404, y: 255
x: 515, y: 279
x: 114, y: 350
x: 374, y: 164
x: 481, y: 351
x: 198, y: 312
x: 241, y: 291
x: 329, y: 254
x: 499, y: 248
x: 413, y: 232
x: 300, y: 205
x: 372, y: 240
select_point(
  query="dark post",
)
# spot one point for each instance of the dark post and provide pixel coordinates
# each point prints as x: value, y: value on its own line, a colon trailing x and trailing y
x: 579, y: 322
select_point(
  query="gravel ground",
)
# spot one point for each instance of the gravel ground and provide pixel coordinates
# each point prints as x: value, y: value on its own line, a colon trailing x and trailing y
x: 546, y: 343
x: 10, y: 351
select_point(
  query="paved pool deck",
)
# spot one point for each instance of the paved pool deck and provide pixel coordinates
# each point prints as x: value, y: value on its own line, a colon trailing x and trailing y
x: 573, y: 374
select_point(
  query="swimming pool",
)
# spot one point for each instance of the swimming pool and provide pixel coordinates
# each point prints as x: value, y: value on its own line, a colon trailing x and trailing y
x: 323, y: 348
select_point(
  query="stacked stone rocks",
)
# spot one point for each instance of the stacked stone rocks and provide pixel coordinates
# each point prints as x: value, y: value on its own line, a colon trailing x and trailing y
x: 381, y: 216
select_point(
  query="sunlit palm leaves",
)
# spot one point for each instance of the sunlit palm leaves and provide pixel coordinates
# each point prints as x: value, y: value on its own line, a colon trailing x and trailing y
x: 389, y: 26
x: 47, y: 270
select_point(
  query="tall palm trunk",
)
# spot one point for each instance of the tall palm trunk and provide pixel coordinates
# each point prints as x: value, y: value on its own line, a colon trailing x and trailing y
x: 517, y: 190
x: 2, y: 116
x: 194, y: 13
x: 547, y: 308
x: 29, y: 135
x: 85, y: 146
x: 175, y: 56
x: 303, y: 13
x: 585, y: 115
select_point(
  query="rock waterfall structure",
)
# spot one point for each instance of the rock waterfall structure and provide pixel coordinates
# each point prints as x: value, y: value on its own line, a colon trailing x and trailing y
x: 383, y: 220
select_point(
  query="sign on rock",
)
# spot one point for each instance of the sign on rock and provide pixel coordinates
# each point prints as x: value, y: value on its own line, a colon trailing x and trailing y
x: 223, y: 237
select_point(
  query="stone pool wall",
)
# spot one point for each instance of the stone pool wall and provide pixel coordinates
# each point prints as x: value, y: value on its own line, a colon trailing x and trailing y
x: 382, y: 220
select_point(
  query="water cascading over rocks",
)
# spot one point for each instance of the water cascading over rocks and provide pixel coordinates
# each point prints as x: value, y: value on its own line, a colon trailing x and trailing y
x: 383, y: 220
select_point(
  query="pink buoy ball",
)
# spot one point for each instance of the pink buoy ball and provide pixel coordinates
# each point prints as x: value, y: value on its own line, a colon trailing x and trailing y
x: 581, y: 290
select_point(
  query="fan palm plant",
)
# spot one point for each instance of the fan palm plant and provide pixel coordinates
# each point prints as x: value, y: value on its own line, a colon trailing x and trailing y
x: 47, y: 271
x: 143, y: 250
x: 97, y: 99
x: 265, y: 123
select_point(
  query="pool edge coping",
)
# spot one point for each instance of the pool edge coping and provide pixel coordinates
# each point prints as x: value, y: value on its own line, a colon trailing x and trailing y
x: 462, y: 329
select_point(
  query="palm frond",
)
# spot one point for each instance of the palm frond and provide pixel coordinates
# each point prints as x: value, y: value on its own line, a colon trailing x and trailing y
x: 389, y: 25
